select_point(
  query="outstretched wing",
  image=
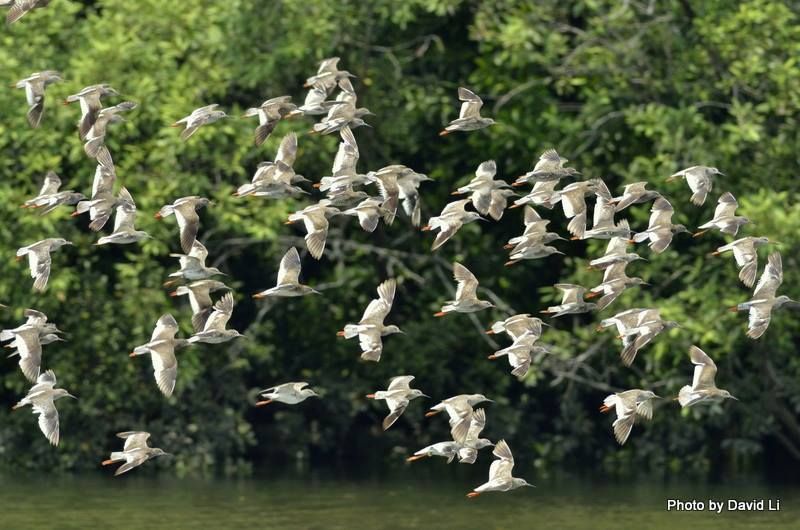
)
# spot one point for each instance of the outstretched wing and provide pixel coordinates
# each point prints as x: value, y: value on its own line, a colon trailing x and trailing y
x: 771, y: 278
x: 704, y: 370
x: 289, y: 271
x: 467, y: 282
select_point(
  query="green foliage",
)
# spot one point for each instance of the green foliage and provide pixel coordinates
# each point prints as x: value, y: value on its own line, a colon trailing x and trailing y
x: 627, y: 91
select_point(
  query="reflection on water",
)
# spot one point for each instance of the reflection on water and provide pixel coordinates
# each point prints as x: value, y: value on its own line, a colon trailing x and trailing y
x: 397, y: 502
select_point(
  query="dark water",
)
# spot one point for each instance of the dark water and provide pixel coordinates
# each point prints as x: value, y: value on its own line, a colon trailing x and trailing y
x: 139, y: 501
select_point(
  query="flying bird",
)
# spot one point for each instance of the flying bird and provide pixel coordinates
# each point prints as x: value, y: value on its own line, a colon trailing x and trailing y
x: 161, y: 347
x: 725, y: 219
x: 397, y: 396
x: 703, y: 388
x: 629, y: 406
x: 744, y: 252
x: 637, y: 327
x: 764, y: 301
x: 700, y: 180
x: 520, y: 354
x: 660, y: 228
x: 288, y: 283
x: 135, y: 452
x: 518, y: 325
x: 572, y: 301
x: 49, y: 198
x: 124, y: 230
x: 370, y: 329
x: 90, y: 99
x: 215, y: 330
x: 549, y: 168
x: 198, y: 118
x: 469, y: 117
x: 289, y: 393
x: 199, y: 293
x: 185, y: 210
x: 315, y: 221
x: 635, y: 193
x: 41, y: 397
x: 500, y: 478
x: 460, y: 410
x: 39, y: 259
x: 466, y: 293
x: 35, y: 86
x: 450, y: 221
x: 193, y: 265
x: 488, y: 196
x: 471, y: 443
x: 95, y: 146
x: 269, y: 114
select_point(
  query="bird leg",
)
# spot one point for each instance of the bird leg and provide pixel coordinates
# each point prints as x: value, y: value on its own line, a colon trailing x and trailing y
x: 440, y: 314
x: 604, y: 409
x: 340, y: 333
x: 592, y: 294
x: 492, y: 356
x: 263, y: 403
x: 108, y: 462
x: 700, y: 233
x: 415, y: 457
x: 509, y: 263
x: 473, y: 494
x: 444, y: 132
x: 431, y: 413
x: 370, y: 396
x: 715, y: 253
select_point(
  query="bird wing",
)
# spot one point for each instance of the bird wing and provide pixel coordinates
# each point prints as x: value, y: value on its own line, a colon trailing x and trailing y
x: 614, y: 272
x: 48, y: 420
x: 397, y: 406
x: 476, y: 425
x: 531, y: 216
x: 455, y: 208
x: 617, y: 246
x: 189, y: 224
x: 223, y: 310
x: 726, y: 206
x: 502, y: 467
x: 289, y: 270
x: 661, y: 213
x: 771, y: 278
x: 51, y: 184
x: 400, y: 383
x: 134, y: 440
x: 287, y: 151
x: 467, y: 282
x: 199, y: 251
x: 347, y: 155
x: 471, y: 108
x: 30, y: 352
x: 166, y: 328
x: 165, y: 366
x: 125, y: 215
x: 645, y: 409
x: 572, y: 294
x: 758, y: 320
x: 704, y: 371
x: 549, y: 161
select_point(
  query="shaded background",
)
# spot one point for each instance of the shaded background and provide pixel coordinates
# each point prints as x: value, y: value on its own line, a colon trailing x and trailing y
x: 627, y: 91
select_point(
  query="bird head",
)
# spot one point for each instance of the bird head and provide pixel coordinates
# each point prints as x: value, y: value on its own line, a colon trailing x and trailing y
x: 724, y: 394
x: 480, y: 443
x: 645, y: 395
x: 474, y: 399
x: 520, y: 482
x: 60, y: 242
x: 309, y: 393
x: 155, y: 451
x: 60, y: 392
x: 715, y: 171
x: 484, y: 304
x: 679, y: 229
x: 415, y: 393
x: 390, y: 330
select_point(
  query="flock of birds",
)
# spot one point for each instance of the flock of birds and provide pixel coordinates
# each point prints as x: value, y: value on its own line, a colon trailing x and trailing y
x: 345, y: 195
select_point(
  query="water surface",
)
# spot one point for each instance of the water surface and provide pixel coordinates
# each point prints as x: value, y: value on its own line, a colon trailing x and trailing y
x: 142, y: 501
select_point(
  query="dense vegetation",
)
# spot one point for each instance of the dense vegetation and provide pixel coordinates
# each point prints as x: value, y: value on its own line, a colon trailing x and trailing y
x: 627, y: 91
